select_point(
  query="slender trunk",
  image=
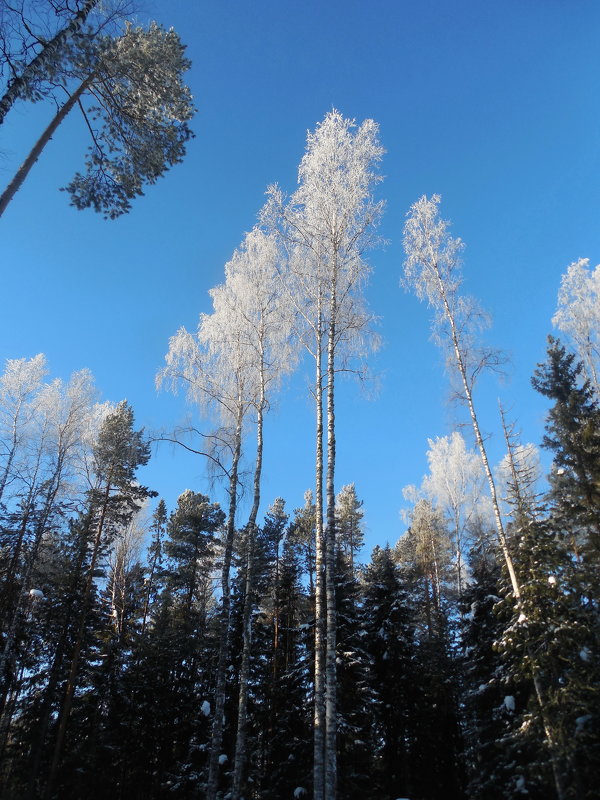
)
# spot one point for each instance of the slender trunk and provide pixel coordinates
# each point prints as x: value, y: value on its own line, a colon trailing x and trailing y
x: 241, y: 738
x: 320, y: 608
x: 38, y: 147
x: 218, y: 718
x: 20, y: 85
x: 459, y: 548
x: 460, y: 363
x: 500, y: 527
x: 72, y: 679
x: 330, y: 657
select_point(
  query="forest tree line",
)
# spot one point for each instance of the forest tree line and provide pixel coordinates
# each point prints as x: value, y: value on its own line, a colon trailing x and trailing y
x: 435, y: 698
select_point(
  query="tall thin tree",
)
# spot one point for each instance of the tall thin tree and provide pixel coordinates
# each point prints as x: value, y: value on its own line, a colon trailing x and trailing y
x: 328, y: 223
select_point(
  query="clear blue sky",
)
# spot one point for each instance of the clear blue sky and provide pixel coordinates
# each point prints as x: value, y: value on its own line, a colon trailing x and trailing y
x: 494, y: 105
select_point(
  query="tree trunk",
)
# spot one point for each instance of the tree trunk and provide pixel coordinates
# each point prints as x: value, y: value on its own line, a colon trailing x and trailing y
x: 500, y: 529
x: 37, y: 149
x: 217, y: 727
x: 330, y: 657
x: 50, y: 50
x: 320, y: 607
x: 241, y: 738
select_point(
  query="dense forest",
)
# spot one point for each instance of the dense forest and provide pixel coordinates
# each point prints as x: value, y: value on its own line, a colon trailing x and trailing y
x: 217, y: 651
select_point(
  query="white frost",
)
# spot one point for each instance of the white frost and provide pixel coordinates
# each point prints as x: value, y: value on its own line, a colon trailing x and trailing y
x: 520, y: 784
x: 509, y: 702
x: 205, y: 708
x: 222, y: 759
x: 581, y: 721
x: 584, y: 654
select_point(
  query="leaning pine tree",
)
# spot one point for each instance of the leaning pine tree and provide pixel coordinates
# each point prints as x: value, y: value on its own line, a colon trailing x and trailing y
x: 131, y: 93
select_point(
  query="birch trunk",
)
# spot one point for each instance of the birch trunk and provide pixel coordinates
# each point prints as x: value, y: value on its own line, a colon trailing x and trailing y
x: 330, y: 658
x: 241, y: 738
x: 320, y: 607
x: 49, y: 52
x: 218, y: 720
x: 460, y: 362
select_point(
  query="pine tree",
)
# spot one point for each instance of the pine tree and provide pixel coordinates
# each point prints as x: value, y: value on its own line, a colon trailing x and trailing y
x: 118, y: 453
x: 573, y: 436
x: 143, y: 108
x: 490, y: 696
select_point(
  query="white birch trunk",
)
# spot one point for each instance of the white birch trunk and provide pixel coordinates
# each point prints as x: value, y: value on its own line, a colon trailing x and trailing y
x: 320, y: 607
x: 241, y: 737
x: 218, y: 718
x: 330, y: 658
x: 460, y: 363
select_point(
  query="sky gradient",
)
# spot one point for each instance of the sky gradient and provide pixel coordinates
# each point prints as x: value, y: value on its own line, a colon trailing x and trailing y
x: 495, y: 106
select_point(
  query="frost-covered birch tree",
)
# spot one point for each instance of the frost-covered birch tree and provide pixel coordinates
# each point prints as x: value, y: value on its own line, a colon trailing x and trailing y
x: 231, y: 366
x: 19, y: 385
x: 212, y: 366
x: 432, y: 269
x: 254, y: 304
x: 455, y: 485
x: 50, y: 473
x: 328, y: 224
x: 578, y: 316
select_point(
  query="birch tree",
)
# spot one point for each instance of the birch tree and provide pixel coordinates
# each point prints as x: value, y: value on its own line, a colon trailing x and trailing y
x: 328, y: 224
x: 253, y: 304
x: 211, y: 366
x: 51, y: 471
x: 19, y: 384
x: 578, y: 316
x: 455, y: 485
x: 432, y: 268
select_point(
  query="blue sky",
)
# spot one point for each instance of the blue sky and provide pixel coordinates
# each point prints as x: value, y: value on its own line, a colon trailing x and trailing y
x: 493, y: 105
